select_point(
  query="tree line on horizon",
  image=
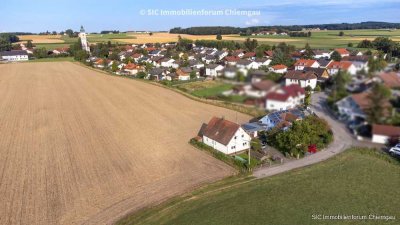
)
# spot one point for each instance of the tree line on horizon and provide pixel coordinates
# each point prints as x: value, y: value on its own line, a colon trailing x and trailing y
x: 214, y: 30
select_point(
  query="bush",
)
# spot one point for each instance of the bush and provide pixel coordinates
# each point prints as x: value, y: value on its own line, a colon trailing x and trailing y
x: 296, y: 139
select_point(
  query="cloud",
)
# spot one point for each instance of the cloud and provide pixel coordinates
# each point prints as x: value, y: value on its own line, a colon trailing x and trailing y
x: 252, y: 22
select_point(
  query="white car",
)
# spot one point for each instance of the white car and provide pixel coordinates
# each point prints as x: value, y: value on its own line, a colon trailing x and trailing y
x: 395, y: 150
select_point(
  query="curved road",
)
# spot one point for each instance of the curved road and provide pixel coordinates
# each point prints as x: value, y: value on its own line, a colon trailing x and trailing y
x: 343, y: 139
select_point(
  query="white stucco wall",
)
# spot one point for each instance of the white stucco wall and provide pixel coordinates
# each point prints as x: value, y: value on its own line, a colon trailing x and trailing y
x: 240, y: 143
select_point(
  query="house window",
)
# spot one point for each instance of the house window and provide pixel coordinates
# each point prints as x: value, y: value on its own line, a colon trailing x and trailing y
x: 242, y: 135
x: 235, y: 137
x: 233, y: 147
x: 245, y: 143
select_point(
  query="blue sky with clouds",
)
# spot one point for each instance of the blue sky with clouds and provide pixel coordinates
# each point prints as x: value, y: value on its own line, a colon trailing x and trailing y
x: 42, y: 15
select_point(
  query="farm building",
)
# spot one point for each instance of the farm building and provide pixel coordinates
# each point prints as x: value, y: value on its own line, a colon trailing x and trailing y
x: 381, y: 134
x: 16, y: 55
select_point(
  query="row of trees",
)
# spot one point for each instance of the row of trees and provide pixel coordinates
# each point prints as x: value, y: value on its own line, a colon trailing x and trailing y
x: 383, y: 44
x: 279, y: 29
x: 230, y: 45
x: 109, y: 31
x: 205, y: 30
x: 300, y: 34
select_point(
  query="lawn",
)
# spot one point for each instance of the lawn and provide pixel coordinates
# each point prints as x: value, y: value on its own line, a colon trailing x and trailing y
x: 55, y: 59
x: 356, y: 182
x: 205, y: 89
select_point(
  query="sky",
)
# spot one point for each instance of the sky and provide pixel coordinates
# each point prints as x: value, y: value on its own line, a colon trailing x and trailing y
x: 152, y: 15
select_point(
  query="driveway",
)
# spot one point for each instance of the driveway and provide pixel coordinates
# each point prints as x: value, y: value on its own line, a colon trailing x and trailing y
x: 343, y: 139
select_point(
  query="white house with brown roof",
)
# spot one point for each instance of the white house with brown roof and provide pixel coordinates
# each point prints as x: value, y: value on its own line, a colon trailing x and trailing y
x: 334, y: 67
x: 302, y: 78
x: 169, y: 63
x: 342, y: 51
x: 285, y: 98
x: 247, y: 64
x: 278, y: 68
x: 132, y: 68
x: 355, y: 106
x: 225, y: 136
x: 214, y: 70
x: 318, y: 54
x: 304, y: 63
x: 258, y: 89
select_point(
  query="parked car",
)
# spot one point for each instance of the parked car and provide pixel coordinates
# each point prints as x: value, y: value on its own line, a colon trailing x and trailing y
x: 395, y: 150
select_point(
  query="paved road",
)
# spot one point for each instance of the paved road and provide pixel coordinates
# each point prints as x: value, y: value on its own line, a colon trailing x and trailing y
x: 342, y: 140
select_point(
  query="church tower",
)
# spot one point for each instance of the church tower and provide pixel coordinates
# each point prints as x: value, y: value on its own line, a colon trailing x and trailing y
x: 82, y: 36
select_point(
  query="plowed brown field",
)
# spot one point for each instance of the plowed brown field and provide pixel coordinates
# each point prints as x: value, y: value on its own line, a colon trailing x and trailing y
x: 80, y: 147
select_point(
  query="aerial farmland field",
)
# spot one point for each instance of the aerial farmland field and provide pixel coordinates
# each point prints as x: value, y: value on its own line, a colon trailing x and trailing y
x: 81, y: 147
x: 319, y: 39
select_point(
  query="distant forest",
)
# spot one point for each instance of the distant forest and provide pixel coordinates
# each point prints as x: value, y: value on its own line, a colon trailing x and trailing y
x: 237, y: 30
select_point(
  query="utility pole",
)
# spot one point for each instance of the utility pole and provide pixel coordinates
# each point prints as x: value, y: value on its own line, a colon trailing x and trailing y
x: 249, y: 152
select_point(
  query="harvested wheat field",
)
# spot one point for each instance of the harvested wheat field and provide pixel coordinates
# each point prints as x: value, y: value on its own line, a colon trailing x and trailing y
x: 167, y: 37
x: 81, y: 147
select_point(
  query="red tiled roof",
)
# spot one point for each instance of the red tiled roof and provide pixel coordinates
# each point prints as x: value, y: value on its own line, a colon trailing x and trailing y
x: 305, y: 62
x: 279, y: 67
x: 386, y: 130
x: 342, y: 51
x: 221, y: 130
x: 180, y: 72
x: 391, y: 80
x: 232, y: 58
x: 130, y: 66
x: 343, y: 65
x: 249, y: 55
x: 269, y: 53
x: 150, y: 49
x: 99, y: 61
x: 363, y: 101
x: 301, y: 75
x: 264, y: 85
x: 136, y: 55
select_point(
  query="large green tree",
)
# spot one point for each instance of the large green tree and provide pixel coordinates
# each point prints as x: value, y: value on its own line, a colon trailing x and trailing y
x: 378, y: 99
x: 336, y: 56
x: 5, y: 45
x: 250, y: 44
x: 308, y: 52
